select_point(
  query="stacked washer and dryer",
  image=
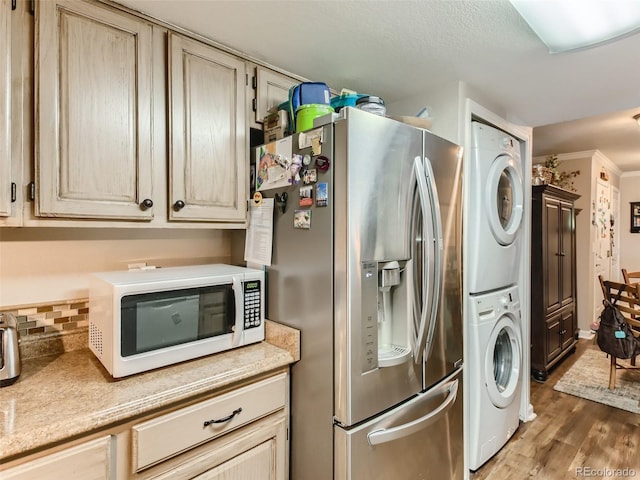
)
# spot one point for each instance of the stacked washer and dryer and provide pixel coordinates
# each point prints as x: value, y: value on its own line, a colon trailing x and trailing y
x: 494, y: 361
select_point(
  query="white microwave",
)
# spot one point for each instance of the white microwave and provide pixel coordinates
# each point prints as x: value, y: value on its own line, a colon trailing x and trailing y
x: 145, y: 319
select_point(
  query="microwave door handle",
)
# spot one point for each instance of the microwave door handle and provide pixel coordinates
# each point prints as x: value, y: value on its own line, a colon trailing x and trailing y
x: 385, y: 435
x: 238, y: 295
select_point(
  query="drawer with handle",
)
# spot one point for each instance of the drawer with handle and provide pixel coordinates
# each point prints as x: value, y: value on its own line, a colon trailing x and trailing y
x: 168, y: 435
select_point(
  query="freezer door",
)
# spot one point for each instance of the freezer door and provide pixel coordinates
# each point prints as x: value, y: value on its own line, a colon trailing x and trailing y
x: 420, y: 439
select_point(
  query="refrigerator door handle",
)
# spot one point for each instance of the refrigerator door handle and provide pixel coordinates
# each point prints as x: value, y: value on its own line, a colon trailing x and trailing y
x: 429, y: 207
x: 385, y: 435
x: 438, y: 264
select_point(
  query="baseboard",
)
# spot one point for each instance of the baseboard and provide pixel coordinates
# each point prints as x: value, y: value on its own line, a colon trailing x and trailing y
x: 586, y: 334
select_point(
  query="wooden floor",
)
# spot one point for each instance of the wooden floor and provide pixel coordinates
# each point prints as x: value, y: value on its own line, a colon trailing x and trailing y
x: 569, y: 436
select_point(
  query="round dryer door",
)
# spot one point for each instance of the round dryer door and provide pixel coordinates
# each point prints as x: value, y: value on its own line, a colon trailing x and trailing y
x: 504, y: 199
x: 503, y: 362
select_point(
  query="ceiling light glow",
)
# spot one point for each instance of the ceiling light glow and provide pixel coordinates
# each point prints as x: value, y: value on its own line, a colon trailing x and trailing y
x: 566, y: 25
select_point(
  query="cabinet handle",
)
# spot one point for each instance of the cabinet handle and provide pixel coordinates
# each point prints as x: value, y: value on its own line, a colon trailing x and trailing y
x: 14, y: 191
x: 179, y: 205
x: 237, y: 411
x: 146, y: 204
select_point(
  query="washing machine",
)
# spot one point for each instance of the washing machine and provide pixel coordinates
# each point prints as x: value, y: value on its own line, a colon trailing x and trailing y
x: 495, y: 209
x: 495, y: 372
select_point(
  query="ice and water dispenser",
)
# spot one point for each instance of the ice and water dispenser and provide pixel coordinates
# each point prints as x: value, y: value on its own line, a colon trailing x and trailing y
x: 386, y: 314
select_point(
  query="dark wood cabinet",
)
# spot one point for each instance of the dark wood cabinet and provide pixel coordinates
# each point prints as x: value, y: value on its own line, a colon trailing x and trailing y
x: 554, y: 326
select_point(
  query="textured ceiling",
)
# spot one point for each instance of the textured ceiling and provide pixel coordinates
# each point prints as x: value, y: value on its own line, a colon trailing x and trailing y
x: 396, y: 49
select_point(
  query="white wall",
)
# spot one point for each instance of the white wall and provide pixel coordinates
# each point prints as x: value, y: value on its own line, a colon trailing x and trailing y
x: 39, y: 265
x: 629, y: 242
x: 584, y: 237
x: 442, y: 105
x: 447, y: 108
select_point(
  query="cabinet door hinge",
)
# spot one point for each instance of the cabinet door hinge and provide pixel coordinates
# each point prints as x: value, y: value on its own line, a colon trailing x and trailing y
x: 32, y: 191
x: 254, y: 105
x: 13, y: 192
x: 254, y: 82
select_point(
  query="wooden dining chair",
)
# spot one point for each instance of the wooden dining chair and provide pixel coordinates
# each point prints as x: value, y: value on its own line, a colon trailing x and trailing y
x: 630, y: 277
x: 629, y: 305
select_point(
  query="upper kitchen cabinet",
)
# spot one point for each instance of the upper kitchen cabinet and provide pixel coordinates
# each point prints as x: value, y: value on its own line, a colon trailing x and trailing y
x: 7, y: 185
x: 208, y: 152
x: 270, y: 90
x: 93, y: 94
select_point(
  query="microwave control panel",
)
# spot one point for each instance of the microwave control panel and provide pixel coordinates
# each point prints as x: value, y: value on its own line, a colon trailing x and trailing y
x: 252, y: 300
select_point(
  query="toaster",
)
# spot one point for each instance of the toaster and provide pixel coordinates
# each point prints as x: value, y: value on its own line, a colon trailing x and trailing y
x: 9, y: 351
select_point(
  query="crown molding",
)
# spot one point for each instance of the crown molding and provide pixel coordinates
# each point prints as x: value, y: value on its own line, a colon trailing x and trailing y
x: 593, y: 154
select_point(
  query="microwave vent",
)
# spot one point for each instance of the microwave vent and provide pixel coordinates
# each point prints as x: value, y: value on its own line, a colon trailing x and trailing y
x: 95, y: 338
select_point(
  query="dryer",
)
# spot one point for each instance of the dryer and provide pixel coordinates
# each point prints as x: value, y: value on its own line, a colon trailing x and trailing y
x: 495, y: 373
x: 495, y: 209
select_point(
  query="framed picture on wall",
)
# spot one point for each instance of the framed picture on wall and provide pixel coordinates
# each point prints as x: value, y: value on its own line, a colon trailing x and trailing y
x: 635, y: 217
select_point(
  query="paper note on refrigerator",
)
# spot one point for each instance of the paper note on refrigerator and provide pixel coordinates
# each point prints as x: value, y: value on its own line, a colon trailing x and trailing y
x: 259, y: 238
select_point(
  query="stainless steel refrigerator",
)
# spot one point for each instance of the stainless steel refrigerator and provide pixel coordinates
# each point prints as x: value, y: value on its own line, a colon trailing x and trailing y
x: 367, y: 265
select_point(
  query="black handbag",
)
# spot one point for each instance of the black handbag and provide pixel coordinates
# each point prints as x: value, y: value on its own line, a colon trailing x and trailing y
x: 614, y: 334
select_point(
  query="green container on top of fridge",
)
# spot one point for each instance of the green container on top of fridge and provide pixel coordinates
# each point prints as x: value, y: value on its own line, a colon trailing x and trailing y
x: 306, y: 113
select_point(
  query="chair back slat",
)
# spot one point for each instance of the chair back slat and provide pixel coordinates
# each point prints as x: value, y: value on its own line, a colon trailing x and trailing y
x: 630, y: 277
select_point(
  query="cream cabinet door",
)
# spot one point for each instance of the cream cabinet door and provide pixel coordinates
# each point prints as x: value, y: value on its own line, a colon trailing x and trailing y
x: 7, y: 185
x: 255, y: 463
x: 272, y: 89
x: 258, y: 451
x: 93, y: 112
x: 208, y: 152
x: 92, y: 460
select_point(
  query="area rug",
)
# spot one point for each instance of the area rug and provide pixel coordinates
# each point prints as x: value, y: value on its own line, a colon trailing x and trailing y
x: 589, y: 378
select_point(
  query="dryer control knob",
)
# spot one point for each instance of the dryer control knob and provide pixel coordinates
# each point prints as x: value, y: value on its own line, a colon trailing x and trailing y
x: 504, y: 301
x: 507, y: 142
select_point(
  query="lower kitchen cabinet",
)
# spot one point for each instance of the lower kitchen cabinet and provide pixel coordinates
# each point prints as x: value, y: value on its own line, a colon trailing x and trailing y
x: 560, y: 333
x: 258, y: 450
x: 91, y: 460
x: 240, y: 434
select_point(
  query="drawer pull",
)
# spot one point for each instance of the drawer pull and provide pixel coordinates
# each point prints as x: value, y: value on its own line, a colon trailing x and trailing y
x: 237, y: 411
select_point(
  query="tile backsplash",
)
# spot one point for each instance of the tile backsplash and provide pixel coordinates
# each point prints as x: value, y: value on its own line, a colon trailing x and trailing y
x: 61, y: 316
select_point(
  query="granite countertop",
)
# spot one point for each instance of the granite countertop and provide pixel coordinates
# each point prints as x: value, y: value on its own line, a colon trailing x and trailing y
x: 65, y: 395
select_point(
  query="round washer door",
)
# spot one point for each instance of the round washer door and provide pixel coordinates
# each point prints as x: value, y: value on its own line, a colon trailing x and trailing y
x: 502, y: 363
x: 504, y: 199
